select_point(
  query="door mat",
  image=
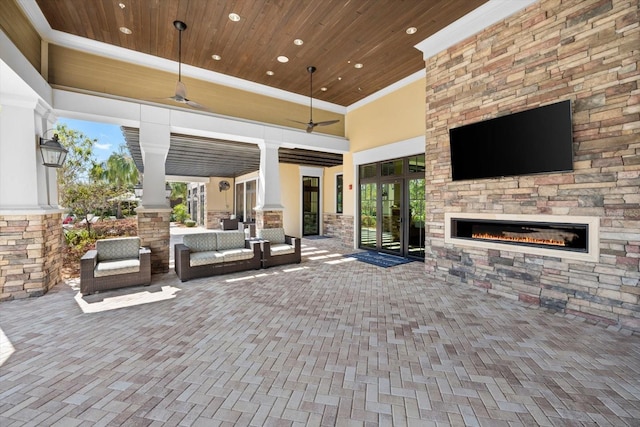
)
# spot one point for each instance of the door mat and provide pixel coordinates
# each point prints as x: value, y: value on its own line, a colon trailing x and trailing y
x: 379, y: 259
x: 316, y: 237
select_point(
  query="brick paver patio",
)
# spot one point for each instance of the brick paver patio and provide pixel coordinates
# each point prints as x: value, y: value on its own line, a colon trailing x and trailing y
x: 331, y: 341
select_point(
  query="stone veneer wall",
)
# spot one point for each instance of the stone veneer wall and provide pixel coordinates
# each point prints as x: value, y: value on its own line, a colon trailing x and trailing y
x: 584, y: 51
x: 214, y: 218
x: 30, y: 254
x: 332, y: 224
x: 153, y: 230
x: 340, y: 226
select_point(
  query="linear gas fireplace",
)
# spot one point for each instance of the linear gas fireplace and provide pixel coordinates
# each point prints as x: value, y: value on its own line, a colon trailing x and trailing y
x: 559, y: 236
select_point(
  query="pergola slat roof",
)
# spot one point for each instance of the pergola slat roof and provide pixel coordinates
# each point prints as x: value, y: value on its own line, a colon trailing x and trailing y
x: 205, y: 157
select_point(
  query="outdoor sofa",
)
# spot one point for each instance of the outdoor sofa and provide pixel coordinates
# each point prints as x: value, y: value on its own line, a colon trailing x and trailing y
x: 115, y: 263
x: 216, y: 252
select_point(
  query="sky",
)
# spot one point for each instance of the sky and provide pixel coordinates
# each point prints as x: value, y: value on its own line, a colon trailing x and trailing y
x: 109, y: 137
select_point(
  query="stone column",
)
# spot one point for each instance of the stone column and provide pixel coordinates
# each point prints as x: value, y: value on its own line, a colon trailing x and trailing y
x: 30, y: 219
x: 269, y: 209
x: 154, y: 212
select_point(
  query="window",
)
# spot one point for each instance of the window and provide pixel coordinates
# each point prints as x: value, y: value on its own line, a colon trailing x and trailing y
x: 339, y: 193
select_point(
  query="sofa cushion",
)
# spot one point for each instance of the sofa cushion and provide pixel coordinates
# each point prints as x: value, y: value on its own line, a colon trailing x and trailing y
x: 230, y: 240
x: 201, y: 242
x: 205, y: 258
x: 282, y: 249
x: 273, y: 235
x: 122, y: 266
x: 120, y: 248
x: 237, y: 254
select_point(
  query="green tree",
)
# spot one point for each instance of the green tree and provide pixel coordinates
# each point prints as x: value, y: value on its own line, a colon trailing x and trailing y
x: 86, y: 199
x: 178, y: 191
x: 80, y: 160
x: 119, y: 170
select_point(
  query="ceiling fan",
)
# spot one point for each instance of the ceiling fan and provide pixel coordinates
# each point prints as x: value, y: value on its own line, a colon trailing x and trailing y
x: 181, y: 89
x: 311, y: 124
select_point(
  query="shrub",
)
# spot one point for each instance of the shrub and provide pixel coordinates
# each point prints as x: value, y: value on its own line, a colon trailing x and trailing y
x: 190, y: 223
x: 180, y: 213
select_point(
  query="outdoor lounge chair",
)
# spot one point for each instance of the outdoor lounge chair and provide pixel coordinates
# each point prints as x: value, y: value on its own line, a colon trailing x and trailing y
x: 278, y: 248
x: 115, y: 263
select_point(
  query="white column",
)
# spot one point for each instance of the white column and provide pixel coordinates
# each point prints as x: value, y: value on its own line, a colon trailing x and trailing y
x: 269, y: 193
x: 155, y: 139
x: 22, y: 175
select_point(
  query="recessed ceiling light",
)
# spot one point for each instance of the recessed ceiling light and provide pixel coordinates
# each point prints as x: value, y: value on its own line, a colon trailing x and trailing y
x: 125, y: 30
x: 283, y: 59
x: 324, y: 89
x: 216, y: 57
x: 412, y: 30
x: 339, y: 78
x: 234, y: 17
x: 270, y: 73
x: 298, y: 42
x: 358, y: 65
x: 122, y: 5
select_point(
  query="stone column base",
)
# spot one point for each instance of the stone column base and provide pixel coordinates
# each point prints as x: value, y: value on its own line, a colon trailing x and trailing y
x: 153, y: 230
x: 269, y: 219
x: 30, y: 253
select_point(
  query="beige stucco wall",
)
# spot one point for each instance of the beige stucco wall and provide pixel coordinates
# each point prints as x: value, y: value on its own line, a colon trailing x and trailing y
x: 329, y: 186
x: 291, y: 189
x: 220, y: 200
x: 395, y: 117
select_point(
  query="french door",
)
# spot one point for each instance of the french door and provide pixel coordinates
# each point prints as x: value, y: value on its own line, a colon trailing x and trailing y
x: 392, y: 207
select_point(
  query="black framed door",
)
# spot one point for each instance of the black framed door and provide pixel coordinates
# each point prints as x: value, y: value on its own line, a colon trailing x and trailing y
x: 310, y: 205
x: 392, y: 207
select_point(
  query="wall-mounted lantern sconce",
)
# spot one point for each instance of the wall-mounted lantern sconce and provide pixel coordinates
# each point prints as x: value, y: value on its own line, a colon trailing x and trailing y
x: 137, y: 189
x: 53, y: 153
x: 167, y: 190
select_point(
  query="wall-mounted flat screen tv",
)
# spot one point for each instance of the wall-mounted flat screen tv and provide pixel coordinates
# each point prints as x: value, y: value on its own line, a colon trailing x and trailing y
x: 534, y: 141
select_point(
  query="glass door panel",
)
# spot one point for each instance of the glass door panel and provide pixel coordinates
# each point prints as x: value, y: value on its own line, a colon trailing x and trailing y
x: 240, y: 201
x: 415, y: 245
x: 250, y: 201
x: 311, y: 205
x: 368, y: 215
x: 391, y: 216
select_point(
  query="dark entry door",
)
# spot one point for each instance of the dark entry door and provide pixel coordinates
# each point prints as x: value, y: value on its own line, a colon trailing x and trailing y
x: 310, y: 205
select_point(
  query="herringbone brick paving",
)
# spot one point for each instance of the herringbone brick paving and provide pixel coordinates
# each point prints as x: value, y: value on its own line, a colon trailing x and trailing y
x: 331, y: 341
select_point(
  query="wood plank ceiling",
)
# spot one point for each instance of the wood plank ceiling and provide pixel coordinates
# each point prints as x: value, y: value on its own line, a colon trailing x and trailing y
x: 336, y: 36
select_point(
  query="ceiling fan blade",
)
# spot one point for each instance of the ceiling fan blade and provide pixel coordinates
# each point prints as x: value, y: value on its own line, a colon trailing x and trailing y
x: 181, y: 90
x: 196, y: 105
x: 326, y: 123
x: 297, y: 121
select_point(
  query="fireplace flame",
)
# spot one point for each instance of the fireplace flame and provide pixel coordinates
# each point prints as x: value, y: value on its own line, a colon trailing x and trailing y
x: 519, y: 239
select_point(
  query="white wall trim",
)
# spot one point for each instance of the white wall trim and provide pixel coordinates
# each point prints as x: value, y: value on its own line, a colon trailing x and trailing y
x: 396, y: 150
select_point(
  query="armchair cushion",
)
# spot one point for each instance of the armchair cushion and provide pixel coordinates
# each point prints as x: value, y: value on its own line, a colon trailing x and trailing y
x: 273, y: 235
x: 118, y: 249
x: 122, y: 266
x: 282, y: 249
